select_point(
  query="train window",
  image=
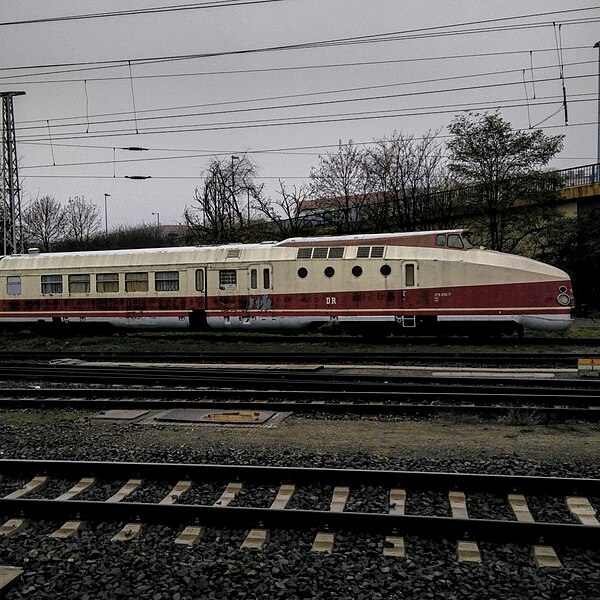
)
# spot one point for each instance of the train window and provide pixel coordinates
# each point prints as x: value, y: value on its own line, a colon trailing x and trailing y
x: 337, y: 252
x: 377, y: 252
x: 253, y: 279
x: 228, y: 279
x: 302, y: 272
x: 267, y: 278
x: 363, y: 252
x: 199, y: 280
x: 166, y: 281
x: 13, y: 285
x: 357, y: 271
x: 466, y: 241
x: 409, y: 275
x: 320, y: 253
x: 440, y: 240
x: 385, y: 270
x: 79, y: 284
x: 304, y: 253
x: 455, y: 241
x: 329, y: 271
x: 52, y: 284
x: 136, y: 282
x: 107, y: 282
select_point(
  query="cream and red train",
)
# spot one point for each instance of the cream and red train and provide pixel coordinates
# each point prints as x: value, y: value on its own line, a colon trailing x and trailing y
x: 430, y: 282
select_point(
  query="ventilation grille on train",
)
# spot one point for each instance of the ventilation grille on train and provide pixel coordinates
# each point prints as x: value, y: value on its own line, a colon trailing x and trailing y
x: 370, y: 252
x: 335, y: 252
x: 234, y: 253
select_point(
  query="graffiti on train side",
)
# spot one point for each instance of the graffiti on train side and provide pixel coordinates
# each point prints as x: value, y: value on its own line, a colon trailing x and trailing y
x: 261, y: 303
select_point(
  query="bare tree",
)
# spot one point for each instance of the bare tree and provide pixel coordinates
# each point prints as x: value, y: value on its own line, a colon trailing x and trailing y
x: 223, y: 204
x: 82, y: 219
x: 287, y: 211
x: 342, y: 186
x: 44, y: 222
x: 408, y: 173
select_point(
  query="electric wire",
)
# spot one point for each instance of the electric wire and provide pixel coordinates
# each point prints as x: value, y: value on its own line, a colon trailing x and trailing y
x: 421, y: 33
x: 141, y: 11
x: 157, y: 129
x: 56, y: 120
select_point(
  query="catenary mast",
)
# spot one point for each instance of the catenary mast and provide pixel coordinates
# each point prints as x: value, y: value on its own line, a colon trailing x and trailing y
x: 11, y: 191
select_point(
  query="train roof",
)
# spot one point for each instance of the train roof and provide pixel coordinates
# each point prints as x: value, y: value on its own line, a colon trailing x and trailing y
x: 411, y: 238
x: 191, y: 254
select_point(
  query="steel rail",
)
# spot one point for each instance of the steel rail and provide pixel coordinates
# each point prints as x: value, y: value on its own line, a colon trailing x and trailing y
x: 262, y: 474
x: 263, y: 378
x: 241, y: 517
x: 357, y: 340
x: 553, y: 412
x: 401, y: 402
x: 253, y: 357
x: 499, y: 531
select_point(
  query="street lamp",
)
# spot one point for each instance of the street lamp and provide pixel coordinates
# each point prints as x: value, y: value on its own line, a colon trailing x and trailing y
x: 597, y: 45
x: 157, y: 219
x: 105, y: 213
x: 233, y: 177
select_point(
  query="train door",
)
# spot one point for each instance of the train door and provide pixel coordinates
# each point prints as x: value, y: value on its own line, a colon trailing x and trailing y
x: 260, y: 285
x: 199, y: 293
x: 409, y: 283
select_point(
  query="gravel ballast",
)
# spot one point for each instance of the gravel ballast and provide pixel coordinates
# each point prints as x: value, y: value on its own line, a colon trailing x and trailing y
x: 153, y: 567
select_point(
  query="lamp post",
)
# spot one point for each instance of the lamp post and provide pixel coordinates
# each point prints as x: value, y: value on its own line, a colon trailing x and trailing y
x: 248, y: 199
x: 106, y: 214
x: 233, y: 177
x: 157, y: 215
x: 597, y: 45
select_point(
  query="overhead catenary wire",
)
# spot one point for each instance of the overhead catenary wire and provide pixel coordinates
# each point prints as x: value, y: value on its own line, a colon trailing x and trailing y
x: 281, y: 107
x: 133, y: 98
x: 204, y: 154
x: 141, y: 11
x: 58, y: 122
x: 293, y: 68
x: 314, y: 119
x: 436, y: 80
x: 419, y: 33
x: 561, y: 68
x: 266, y: 177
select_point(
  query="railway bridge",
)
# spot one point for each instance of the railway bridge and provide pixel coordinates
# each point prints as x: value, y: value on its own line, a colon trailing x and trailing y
x: 581, y: 191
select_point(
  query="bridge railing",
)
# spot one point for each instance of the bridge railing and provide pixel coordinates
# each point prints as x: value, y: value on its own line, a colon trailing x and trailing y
x: 585, y: 175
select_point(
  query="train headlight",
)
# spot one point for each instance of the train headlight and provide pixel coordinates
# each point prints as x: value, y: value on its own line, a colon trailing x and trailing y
x: 563, y: 299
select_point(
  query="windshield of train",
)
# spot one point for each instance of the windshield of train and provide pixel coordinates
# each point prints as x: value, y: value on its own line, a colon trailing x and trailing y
x: 466, y: 241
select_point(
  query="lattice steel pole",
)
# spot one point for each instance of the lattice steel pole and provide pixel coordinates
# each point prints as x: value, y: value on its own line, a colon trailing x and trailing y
x: 11, y: 200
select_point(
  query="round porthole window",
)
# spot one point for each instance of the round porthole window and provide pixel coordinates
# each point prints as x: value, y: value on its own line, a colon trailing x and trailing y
x: 329, y: 271
x: 385, y: 270
x: 357, y: 271
x: 302, y: 272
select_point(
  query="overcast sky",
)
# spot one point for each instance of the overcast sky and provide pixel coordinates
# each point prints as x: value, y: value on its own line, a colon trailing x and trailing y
x: 382, y: 66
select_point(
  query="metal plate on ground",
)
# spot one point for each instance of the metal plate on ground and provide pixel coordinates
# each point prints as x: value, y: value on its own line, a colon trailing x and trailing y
x: 243, y: 417
x: 223, y: 417
x: 121, y: 415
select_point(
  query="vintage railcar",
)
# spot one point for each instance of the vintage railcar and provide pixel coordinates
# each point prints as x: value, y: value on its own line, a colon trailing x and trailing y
x: 430, y: 282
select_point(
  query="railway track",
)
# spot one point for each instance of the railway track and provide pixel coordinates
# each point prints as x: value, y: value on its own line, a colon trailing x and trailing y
x: 286, y: 378
x: 409, y: 357
x: 355, y: 340
x: 327, y: 508
x: 417, y: 399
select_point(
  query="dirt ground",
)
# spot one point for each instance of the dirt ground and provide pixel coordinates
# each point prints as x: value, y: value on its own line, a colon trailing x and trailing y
x: 403, y: 438
x: 436, y: 438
